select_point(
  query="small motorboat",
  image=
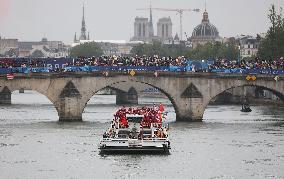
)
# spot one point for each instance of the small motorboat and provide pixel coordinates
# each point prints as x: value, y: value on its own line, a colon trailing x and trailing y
x: 246, y: 108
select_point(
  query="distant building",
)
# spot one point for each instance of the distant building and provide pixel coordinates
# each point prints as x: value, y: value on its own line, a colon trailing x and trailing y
x: 141, y: 30
x: 83, y: 35
x: 204, y: 32
x: 8, y: 45
x: 164, y: 29
x: 248, y: 45
x: 119, y: 49
x: 176, y: 39
x: 53, y: 49
x: 144, y: 30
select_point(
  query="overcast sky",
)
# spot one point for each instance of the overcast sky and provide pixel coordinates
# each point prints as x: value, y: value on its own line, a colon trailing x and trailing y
x: 30, y: 20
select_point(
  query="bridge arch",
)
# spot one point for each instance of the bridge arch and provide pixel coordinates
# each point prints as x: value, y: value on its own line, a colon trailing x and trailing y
x: 8, y: 91
x: 274, y: 91
x: 132, y: 90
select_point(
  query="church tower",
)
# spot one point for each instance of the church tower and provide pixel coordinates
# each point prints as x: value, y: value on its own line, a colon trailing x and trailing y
x: 83, y: 28
x: 151, y: 27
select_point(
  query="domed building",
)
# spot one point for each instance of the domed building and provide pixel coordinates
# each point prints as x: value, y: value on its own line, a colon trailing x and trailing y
x: 204, y: 32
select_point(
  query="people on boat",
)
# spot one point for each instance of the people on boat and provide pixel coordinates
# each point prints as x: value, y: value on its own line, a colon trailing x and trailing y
x: 245, y: 105
x: 123, y: 122
x: 152, y: 118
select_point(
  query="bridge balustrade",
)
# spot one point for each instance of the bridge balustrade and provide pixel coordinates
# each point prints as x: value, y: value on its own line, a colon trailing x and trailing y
x: 26, y: 70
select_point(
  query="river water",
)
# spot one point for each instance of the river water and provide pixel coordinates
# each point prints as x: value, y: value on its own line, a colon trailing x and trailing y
x: 227, y: 145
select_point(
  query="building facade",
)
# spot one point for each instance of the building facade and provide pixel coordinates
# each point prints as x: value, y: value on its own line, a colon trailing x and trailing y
x: 144, y: 30
x: 204, y: 32
x: 8, y: 47
x: 248, y: 45
x: 141, y: 30
x: 164, y: 29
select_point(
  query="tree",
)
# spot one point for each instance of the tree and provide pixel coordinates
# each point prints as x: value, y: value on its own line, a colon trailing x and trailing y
x: 206, y: 51
x: 157, y: 48
x: 86, y: 50
x: 214, y: 50
x: 272, y: 46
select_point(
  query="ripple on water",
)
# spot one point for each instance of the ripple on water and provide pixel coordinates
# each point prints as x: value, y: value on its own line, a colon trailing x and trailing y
x: 228, y: 144
x: 7, y: 145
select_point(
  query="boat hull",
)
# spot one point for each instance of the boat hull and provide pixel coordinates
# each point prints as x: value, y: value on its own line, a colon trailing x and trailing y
x: 134, y: 150
x: 246, y: 110
x: 134, y: 146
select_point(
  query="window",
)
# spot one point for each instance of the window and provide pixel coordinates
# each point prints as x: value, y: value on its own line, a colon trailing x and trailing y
x: 139, y: 30
x: 144, y: 30
x: 163, y: 30
x: 167, y: 30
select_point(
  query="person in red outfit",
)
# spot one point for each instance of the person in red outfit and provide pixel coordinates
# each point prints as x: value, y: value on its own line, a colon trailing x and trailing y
x: 124, y: 122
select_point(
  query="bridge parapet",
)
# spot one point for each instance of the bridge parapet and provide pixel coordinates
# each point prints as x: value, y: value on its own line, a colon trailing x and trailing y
x: 145, y: 74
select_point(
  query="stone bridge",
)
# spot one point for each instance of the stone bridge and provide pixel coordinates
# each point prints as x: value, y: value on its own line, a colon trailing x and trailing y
x: 189, y: 93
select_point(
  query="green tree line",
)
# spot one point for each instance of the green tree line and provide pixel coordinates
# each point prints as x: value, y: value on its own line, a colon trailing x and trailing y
x: 206, y: 51
x: 86, y: 50
x: 272, y: 46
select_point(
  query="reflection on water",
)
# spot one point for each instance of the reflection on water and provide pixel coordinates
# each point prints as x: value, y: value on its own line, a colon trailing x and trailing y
x: 228, y: 144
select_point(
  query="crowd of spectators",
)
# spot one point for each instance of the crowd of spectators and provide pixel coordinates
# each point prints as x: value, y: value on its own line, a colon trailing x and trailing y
x: 248, y: 64
x: 130, y: 61
x: 13, y: 63
x: 148, y: 61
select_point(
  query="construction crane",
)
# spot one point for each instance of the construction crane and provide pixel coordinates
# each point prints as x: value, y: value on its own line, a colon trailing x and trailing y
x: 179, y: 11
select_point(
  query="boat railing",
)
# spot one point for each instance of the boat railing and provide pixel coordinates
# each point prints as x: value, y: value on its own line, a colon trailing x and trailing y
x: 123, y: 139
x: 154, y: 139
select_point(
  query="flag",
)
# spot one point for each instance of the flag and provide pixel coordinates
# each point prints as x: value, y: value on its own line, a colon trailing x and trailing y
x: 156, y: 74
x: 276, y: 78
x: 161, y: 107
x: 105, y: 73
x: 10, y: 76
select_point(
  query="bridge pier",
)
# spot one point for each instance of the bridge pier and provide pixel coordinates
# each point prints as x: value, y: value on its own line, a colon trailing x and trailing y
x: 70, y: 110
x: 5, y: 96
x: 189, y: 105
x: 70, y: 107
x: 130, y: 97
x: 190, y: 110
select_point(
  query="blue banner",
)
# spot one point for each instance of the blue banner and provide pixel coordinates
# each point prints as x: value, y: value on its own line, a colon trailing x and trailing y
x: 138, y: 68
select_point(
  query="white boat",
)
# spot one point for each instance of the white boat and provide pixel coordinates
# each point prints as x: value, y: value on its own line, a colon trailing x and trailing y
x: 136, y: 133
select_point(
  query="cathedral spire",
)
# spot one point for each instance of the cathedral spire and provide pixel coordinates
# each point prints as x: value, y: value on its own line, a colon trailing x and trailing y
x: 151, y: 17
x: 84, y: 12
x: 83, y: 28
x: 151, y: 27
